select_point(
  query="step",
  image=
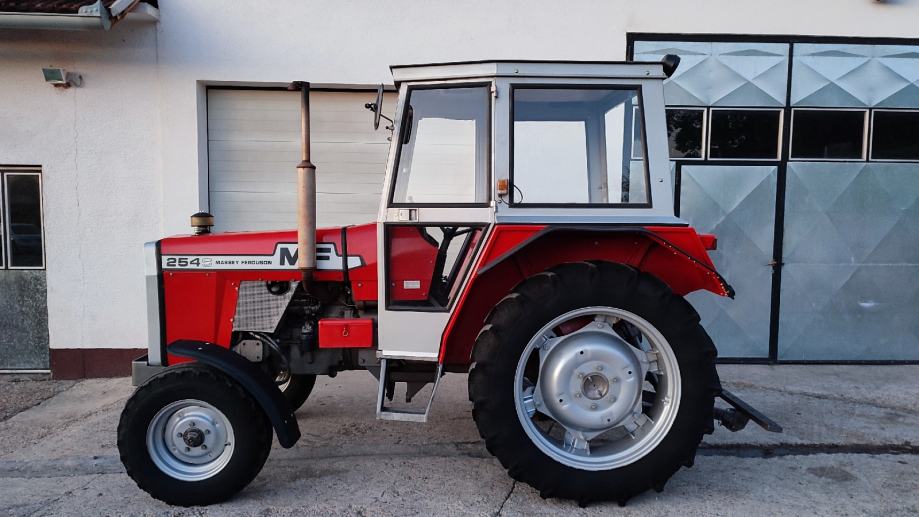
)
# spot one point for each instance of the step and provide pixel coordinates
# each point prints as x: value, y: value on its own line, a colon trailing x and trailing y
x: 415, y: 381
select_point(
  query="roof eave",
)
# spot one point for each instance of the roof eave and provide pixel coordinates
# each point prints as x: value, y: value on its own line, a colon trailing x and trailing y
x: 94, y: 17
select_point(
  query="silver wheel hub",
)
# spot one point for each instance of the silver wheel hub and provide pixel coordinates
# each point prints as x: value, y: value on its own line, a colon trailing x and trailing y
x: 190, y: 440
x: 591, y: 379
x: 609, y: 400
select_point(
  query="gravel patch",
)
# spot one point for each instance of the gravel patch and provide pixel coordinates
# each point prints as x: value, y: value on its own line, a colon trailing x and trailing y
x: 20, y: 392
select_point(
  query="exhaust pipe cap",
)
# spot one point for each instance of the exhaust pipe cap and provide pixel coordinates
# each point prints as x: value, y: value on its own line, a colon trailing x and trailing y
x: 201, y: 223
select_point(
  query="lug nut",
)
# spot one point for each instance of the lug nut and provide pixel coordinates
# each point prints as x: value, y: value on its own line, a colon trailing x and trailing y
x: 187, y: 449
x: 207, y: 431
x: 615, y: 379
x: 191, y: 424
x: 577, y: 395
x: 593, y: 406
x: 599, y: 367
x: 203, y: 447
x: 612, y: 399
x: 179, y: 435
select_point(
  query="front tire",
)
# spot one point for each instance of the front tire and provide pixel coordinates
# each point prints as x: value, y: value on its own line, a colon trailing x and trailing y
x: 548, y: 342
x: 193, y: 436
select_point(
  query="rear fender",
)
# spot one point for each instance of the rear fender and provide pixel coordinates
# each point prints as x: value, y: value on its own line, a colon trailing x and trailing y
x: 674, y: 254
x: 251, y: 378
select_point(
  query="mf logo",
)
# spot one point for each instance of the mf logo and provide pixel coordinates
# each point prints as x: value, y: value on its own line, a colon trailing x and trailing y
x: 327, y: 256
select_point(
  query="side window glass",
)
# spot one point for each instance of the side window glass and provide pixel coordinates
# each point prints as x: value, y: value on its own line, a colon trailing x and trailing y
x: 685, y: 134
x: 427, y: 264
x: 443, y: 158
x: 894, y: 135
x: 576, y: 146
x: 745, y: 134
x: 828, y: 134
x: 22, y: 221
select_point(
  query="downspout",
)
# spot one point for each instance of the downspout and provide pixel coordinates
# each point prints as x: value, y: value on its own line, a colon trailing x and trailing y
x: 89, y: 17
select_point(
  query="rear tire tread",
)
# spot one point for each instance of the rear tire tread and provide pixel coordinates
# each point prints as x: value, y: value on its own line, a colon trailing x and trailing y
x: 676, y: 319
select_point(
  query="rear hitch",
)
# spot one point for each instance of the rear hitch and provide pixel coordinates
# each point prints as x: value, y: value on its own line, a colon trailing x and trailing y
x: 736, y: 417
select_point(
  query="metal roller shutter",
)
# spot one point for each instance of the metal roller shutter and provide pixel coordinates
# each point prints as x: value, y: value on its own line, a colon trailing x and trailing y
x: 254, y: 147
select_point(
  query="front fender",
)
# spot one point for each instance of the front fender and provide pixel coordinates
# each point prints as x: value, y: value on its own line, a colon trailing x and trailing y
x: 251, y: 378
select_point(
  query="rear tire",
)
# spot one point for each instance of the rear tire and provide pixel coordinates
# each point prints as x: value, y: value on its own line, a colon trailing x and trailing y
x: 508, y: 334
x: 166, y: 426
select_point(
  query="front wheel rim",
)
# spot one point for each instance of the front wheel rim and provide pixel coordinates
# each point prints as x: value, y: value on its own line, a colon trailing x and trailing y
x: 614, y: 384
x: 190, y: 440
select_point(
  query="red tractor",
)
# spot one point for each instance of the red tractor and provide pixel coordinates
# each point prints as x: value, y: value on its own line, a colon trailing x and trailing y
x: 526, y: 236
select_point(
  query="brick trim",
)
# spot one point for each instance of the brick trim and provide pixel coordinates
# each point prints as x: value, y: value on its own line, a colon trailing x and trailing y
x: 84, y: 363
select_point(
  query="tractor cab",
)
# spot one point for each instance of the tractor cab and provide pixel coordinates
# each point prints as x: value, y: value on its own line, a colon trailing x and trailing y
x: 508, y: 143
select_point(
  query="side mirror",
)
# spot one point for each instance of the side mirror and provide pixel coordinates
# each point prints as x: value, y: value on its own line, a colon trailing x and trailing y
x: 670, y: 63
x: 376, y: 107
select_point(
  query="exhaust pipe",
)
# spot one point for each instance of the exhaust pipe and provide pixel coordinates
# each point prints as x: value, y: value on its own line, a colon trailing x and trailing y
x: 306, y: 191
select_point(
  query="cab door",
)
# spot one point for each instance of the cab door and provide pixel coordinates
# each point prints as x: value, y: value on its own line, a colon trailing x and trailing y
x: 436, y: 210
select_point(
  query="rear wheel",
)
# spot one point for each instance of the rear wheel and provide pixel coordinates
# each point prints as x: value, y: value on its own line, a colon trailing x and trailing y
x: 193, y: 436
x: 593, y: 382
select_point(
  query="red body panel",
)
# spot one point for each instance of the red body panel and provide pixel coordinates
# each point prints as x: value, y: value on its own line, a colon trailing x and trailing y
x: 675, y: 254
x: 411, y: 263
x: 345, y: 333
x: 200, y: 304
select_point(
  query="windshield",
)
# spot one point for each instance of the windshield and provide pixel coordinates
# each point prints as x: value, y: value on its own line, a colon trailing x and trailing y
x: 576, y: 146
x: 444, y: 149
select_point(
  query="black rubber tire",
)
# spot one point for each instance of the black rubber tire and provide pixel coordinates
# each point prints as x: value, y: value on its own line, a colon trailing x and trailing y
x: 542, y: 297
x: 251, y: 428
x: 298, y: 389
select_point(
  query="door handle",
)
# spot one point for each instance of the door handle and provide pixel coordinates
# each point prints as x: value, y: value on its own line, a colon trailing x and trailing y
x: 408, y: 214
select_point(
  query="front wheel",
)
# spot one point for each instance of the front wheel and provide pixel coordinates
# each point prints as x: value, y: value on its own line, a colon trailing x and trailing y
x: 193, y: 436
x: 593, y: 382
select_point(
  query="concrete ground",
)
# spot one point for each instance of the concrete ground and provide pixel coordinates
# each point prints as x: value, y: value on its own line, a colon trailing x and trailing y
x: 850, y: 447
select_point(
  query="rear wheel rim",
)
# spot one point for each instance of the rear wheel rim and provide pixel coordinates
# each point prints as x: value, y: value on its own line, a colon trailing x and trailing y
x: 190, y: 440
x: 605, y: 395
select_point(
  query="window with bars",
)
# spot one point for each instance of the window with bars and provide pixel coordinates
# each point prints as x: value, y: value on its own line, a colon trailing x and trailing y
x: 22, y: 240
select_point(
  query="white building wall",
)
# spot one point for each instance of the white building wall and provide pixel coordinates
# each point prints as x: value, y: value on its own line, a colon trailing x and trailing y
x: 125, y: 157
x: 98, y: 148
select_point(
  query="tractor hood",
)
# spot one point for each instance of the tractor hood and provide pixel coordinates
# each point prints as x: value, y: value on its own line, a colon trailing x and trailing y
x: 263, y: 255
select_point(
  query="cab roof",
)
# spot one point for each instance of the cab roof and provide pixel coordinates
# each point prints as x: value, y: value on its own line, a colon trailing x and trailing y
x: 524, y: 68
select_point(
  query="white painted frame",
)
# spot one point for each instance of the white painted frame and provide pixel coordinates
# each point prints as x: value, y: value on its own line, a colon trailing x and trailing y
x: 8, y: 246
x: 865, y: 132
x: 657, y: 162
x: 417, y: 334
x: 778, y: 153
x: 704, y: 144
x: 870, y: 137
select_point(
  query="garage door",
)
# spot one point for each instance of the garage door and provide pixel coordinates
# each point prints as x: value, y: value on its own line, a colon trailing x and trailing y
x: 254, y: 148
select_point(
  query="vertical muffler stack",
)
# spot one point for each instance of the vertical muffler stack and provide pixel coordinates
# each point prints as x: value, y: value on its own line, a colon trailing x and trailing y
x: 306, y: 191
